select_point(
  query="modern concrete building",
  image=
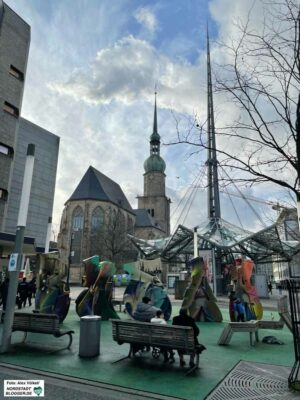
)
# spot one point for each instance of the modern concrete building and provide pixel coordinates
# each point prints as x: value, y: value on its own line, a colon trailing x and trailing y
x: 43, y: 181
x: 14, y: 48
x: 154, y: 199
x: 15, y: 135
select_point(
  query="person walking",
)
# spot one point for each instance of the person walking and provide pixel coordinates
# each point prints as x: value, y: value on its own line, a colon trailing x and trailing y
x: 270, y: 287
x: 23, y: 292
x: 4, y: 292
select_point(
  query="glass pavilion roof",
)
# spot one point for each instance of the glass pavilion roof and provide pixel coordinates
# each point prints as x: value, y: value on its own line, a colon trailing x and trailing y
x: 261, y: 246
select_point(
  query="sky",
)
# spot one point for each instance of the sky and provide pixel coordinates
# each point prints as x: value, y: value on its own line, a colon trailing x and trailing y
x: 92, y: 70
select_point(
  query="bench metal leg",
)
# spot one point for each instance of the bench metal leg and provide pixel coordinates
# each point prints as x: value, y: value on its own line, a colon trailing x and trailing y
x: 196, y: 366
x: 70, y: 340
x: 251, y: 338
x: 128, y: 356
x: 24, y: 337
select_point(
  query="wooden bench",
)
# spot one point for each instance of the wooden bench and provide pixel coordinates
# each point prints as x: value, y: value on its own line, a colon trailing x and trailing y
x: 169, y: 337
x: 39, y: 323
x: 250, y: 327
x: 232, y: 327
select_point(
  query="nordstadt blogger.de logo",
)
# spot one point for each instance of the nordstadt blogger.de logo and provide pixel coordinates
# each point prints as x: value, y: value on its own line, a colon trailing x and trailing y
x: 24, y: 388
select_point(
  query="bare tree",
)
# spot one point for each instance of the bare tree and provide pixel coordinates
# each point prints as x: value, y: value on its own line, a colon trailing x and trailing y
x: 110, y: 240
x: 261, y: 79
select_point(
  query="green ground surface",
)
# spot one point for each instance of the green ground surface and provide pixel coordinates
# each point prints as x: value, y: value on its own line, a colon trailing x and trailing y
x: 145, y: 373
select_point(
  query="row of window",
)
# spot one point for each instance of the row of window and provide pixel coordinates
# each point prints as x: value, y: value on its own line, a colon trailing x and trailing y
x: 97, y: 219
x: 12, y: 110
x: 8, y: 107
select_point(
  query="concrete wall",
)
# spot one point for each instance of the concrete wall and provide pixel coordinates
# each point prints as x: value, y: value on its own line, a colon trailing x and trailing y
x: 43, y: 182
x: 14, y: 48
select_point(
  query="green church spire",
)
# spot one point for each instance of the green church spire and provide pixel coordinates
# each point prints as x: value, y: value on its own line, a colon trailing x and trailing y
x: 154, y: 162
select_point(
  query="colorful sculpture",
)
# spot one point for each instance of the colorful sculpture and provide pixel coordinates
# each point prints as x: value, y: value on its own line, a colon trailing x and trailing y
x: 51, y: 294
x: 198, y: 298
x: 143, y: 284
x: 244, y: 291
x: 97, y: 299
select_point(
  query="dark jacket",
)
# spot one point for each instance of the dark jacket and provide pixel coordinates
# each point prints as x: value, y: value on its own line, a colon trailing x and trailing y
x: 186, y: 320
x: 144, y: 312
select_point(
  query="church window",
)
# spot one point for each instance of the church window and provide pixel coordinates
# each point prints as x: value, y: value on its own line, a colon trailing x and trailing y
x: 77, y: 226
x: 151, y: 211
x: 97, y: 219
x: 77, y: 218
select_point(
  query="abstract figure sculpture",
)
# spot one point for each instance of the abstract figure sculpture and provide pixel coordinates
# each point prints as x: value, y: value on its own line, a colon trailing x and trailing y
x: 143, y: 284
x: 51, y: 294
x: 244, y: 291
x: 97, y: 299
x: 198, y: 298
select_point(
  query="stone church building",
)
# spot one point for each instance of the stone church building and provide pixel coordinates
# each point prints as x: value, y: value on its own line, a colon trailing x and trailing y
x: 97, y: 217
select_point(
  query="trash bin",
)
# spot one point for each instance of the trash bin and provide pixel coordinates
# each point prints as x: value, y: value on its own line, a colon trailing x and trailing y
x: 89, y: 342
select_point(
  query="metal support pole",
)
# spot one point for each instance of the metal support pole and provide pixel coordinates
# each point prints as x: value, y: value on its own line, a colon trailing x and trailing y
x: 47, y: 242
x: 214, y: 270
x: 18, y: 249
x: 195, y: 242
x: 67, y: 287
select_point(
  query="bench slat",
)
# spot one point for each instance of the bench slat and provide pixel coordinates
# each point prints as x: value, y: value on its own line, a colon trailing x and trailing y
x: 169, y: 336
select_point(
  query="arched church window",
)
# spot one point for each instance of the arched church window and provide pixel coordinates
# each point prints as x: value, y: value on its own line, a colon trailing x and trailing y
x: 77, y: 218
x: 77, y: 227
x: 97, y: 219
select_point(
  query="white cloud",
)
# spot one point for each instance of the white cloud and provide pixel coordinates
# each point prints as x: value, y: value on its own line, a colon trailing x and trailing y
x: 146, y: 17
x: 127, y: 71
x: 96, y: 93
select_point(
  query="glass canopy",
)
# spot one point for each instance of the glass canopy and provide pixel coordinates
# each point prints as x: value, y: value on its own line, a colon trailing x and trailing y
x: 261, y: 246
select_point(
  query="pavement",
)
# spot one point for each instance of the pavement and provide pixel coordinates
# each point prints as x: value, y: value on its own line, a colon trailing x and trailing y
x: 70, y: 377
x: 59, y: 387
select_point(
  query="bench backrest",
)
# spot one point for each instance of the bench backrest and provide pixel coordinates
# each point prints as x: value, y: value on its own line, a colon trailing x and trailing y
x: 36, y: 322
x: 169, y: 336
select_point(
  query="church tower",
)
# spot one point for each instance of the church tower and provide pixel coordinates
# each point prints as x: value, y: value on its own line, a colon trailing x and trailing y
x: 154, y: 199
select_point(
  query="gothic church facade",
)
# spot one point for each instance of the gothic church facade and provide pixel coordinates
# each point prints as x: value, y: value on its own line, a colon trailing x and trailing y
x: 97, y: 217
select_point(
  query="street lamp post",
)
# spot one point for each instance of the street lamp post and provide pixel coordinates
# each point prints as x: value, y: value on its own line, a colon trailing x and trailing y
x: 71, y: 254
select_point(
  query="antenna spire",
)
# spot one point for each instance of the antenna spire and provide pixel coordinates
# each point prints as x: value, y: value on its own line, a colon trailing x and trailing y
x: 214, y: 210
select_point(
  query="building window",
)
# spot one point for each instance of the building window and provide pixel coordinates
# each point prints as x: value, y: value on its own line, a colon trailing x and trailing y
x: 6, y: 150
x: 3, y: 194
x: 151, y: 211
x: 16, y: 73
x: 77, y: 219
x: 9, y: 108
x: 97, y: 219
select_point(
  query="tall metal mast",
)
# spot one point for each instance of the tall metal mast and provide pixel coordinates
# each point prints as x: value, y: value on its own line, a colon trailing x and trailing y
x: 214, y: 211
x: 213, y: 201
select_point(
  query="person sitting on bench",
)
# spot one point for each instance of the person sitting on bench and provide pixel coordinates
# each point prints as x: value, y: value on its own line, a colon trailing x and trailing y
x: 159, y: 319
x: 145, y: 311
x: 183, y: 319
